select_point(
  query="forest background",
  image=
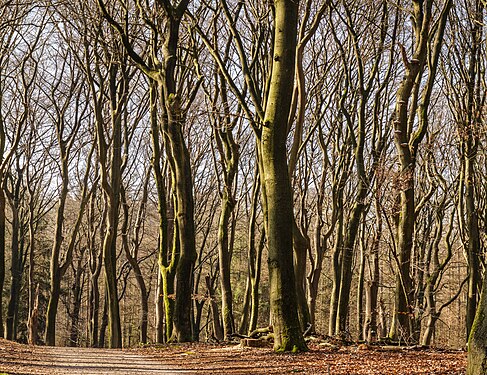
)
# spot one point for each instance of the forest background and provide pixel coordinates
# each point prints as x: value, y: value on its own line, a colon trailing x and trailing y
x: 156, y: 155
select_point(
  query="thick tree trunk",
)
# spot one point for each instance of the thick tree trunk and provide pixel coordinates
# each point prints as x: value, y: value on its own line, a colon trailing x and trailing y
x: 469, y: 142
x: 180, y: 163
x: 184, y: 218
x: 275, y: 180
x: 477, y: 342
x: 402, y: 323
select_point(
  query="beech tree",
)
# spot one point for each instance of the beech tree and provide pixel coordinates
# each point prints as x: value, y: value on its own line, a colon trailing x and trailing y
x: 162, y: 67
x: 190, y: 142
x: 413, y: 100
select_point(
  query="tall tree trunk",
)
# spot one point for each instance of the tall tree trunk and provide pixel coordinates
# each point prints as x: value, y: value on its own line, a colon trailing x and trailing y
x: 477, y: 341
x: 16, y: 261
x: 167, y: 262
x: 473, y: 239
x: 275, y: 179
x: 360, y: 289
x: 165, y: 75
x: 337, y: 249
x: 111, y: 180
x: 346, y: 267
x: 372, y: 289
x: 428, y: 41
x: 469, y: 148
x: 180, y: 163
x: 32, y: 290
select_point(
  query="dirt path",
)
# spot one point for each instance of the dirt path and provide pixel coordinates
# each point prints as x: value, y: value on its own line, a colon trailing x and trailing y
x: 73, y: 361
x: 228, y: 359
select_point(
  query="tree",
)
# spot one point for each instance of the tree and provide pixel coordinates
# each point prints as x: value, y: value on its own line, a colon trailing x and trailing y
x: 276, y: 183
x: 68, y: 110
x: 413, y: 99
x: 467, y: 83
x: 165, y: 31
x: 367, y: 78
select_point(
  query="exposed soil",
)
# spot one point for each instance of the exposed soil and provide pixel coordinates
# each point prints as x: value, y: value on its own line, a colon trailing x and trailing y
x: 219, y: 359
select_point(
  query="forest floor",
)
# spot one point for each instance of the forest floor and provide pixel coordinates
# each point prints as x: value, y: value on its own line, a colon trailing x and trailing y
x: 220, y: 359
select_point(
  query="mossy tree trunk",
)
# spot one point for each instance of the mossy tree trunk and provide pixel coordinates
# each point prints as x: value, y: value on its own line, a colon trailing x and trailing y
x: 179, y: 157
x: 477, y: 342
x: 162, y: 67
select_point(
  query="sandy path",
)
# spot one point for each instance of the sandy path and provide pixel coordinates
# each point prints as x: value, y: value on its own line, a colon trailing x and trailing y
x: 207, y: 359
x: 73, y: 361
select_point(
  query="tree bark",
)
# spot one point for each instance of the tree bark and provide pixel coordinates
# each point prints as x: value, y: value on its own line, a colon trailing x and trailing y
x: 477, y: 341
x: 428, y: 41
x: 160, y: 338
x: 275, y: 179
x: 16, y: 266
